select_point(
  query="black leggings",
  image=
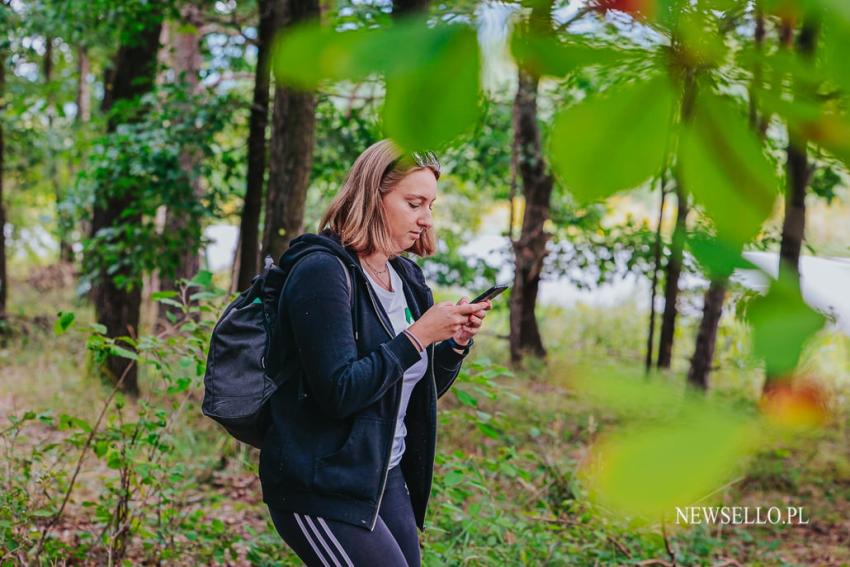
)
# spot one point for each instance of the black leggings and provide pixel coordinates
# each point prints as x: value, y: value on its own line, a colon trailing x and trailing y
x: 328, y: 543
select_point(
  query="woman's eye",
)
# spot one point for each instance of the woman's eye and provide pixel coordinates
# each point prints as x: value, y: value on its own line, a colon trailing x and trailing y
x: 412, y: 206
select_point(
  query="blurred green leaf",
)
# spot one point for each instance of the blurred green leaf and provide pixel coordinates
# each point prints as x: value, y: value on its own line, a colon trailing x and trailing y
x: 465, y: 398
x: 432, y: 73
x: 428, y: 105
x: 116, y: 350
x: 202, y: 279
x: 548, y: 55
x: 98, y: 328
x: 157, y: 295
x: 782, y: 323
x: 723, y: 166
x: 718, y: 258
x: 614, y: 141
x: 626, y: 393
x: 63, y: 321
x: 648, y: 472
x: 702, y: 45
x: 308, y: 54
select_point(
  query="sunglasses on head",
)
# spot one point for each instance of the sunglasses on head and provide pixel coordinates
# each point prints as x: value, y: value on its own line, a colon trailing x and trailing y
x: 419, y: 159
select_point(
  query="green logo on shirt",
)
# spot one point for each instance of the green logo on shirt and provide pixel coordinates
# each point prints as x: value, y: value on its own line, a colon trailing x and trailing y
x: 408, y: 315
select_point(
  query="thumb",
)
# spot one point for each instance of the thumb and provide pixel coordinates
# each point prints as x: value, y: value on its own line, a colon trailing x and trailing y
x: 463, y: 300
x: 467, y: 308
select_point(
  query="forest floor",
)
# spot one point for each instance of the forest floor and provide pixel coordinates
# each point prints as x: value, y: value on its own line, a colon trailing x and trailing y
x: 506, y: 490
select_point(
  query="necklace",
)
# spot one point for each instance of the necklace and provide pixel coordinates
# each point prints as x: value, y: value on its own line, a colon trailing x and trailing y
x: 378, y: 275
x: 374, y: 271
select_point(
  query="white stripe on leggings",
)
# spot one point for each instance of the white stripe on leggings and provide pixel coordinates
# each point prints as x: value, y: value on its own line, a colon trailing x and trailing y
x: 319, y: 537
x: 335, y: 542
x: 310, y: 540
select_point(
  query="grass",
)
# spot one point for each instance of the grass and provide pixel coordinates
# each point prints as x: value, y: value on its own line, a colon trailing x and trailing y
x: 506, y: 486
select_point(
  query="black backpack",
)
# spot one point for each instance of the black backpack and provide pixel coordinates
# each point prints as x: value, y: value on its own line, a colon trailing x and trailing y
x: 241, y: 373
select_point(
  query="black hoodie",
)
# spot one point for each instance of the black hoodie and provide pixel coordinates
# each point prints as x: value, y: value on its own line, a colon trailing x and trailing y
x: 328, y: 446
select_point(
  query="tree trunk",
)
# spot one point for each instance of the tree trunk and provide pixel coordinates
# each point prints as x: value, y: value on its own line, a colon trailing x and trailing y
x: 707, y: 334
x: 530, y: 248
x: 186, y: 62
x: 656, y: 267
x: 63, y: 224
x: 83, y: 115
x: 291, y: 155
x: 677, y: 245
x: 715, y: 295
x: 537, y: 184
x: 402, y: 8
x: 671, y: 278
x: 83, y: 98
x: 249, y: 228
x: 132, y: 75
x: 798, y: 176
x: 4, y: 282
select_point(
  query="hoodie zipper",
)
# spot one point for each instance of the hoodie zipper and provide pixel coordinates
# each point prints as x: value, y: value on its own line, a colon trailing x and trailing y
x: 395, y: 417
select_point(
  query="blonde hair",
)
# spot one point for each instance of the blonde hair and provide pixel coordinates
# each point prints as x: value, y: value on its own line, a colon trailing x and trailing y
x: 357, y: 214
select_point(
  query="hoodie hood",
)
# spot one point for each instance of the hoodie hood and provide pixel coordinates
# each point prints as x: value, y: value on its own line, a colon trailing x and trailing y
x: 326, y: 241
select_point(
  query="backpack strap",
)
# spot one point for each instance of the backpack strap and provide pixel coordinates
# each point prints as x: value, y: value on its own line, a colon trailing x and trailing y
x: 347, y: 280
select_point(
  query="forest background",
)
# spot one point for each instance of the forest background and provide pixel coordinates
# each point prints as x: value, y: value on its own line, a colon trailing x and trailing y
x: 691, y: 154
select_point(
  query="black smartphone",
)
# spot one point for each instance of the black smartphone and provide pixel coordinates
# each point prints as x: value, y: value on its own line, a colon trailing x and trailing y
x: 490, y: 293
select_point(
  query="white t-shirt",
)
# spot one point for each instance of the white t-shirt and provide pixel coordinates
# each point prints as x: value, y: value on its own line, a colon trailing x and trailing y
x: 395, y: 304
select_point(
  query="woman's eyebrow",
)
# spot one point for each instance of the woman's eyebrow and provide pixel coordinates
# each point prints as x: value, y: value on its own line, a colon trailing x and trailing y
x: 422, y: 197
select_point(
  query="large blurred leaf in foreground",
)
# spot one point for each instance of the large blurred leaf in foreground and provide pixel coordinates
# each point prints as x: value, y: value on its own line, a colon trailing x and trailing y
x: 825, y: 123
x: 782, y: 323
x: 649, y: 471
x: 548, y: 55
x: 614, y: 141
x: 690, y: 447
x: 718, y: 258
x: 432, y: 73
x: 431, y: 103
x: 723, y: 166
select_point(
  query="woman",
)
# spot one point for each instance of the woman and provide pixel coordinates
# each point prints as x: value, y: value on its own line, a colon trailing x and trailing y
x: 347, y: 463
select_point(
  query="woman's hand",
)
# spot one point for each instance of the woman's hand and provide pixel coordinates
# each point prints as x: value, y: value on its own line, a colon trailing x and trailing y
x: 445, y: 319
x: 473, y: 323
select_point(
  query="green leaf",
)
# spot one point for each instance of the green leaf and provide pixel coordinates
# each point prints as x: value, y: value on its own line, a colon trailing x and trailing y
x: 63, y: 321
x: 614, y: 141
x: 98, y: 328
x: 114, y: 460
x: 627, y: 393
x: 432, y: 73
x: 489, y: 430
x: 428, y: 105
x: 157, y: 295
x: 453, y: 477
x: 723, y: 166
x: 782, y: 323
x: 308, y: 54
x: 116, y: 350
x: 465, y: 398
x: 701, y: 46
x: 649, y: 471
x: 202, y: 279
x: 718, y: 258
x: 548, y: 55
x: 100, y: 448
